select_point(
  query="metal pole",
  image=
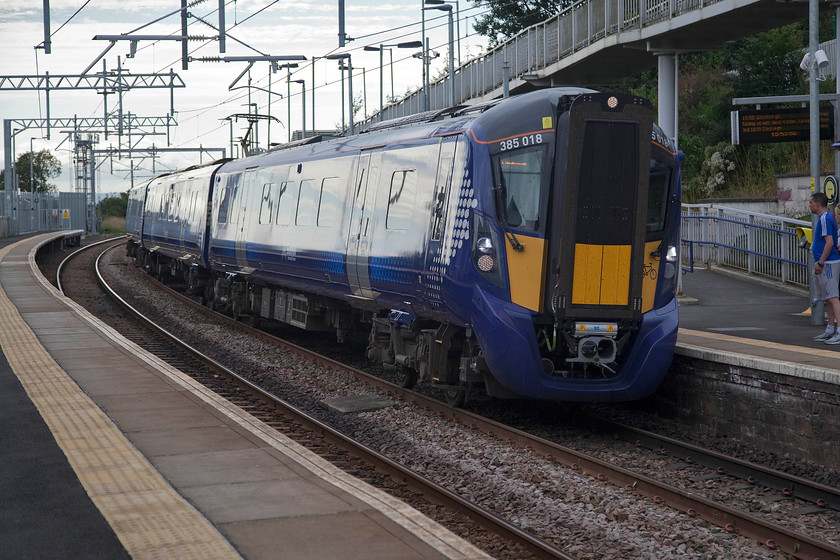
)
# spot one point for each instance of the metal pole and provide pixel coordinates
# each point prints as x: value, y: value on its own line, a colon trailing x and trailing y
x: 303, y: 105
x: 221, y: 26
x: 391, y: 54
x: 343, y: 116
x: 350, y: 92
x: 423, y: 48
x: 313, y: 95
x: 451, y: 59
x: 817, y: 307
x: 31, y: 169
x: 47, y: 42
x: 342, y: 37
x: 381, y: 83
x: 289, y: 101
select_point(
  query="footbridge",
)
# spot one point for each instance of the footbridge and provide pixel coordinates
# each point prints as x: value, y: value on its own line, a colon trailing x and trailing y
x: 599, y: 42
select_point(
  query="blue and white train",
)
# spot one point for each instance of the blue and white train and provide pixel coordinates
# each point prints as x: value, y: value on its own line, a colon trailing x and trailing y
x: 527, y: 245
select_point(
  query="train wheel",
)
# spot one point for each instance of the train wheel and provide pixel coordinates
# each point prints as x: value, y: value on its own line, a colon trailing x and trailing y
x: 406, y: 378
x: 456, y: 396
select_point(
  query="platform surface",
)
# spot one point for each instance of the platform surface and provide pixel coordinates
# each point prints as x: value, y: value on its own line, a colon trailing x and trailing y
x: 115, y: 454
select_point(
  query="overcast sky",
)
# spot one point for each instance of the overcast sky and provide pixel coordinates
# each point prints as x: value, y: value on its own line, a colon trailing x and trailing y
x: 254, y: 27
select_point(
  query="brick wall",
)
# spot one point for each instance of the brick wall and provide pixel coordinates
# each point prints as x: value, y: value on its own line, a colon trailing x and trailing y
x: 778, y: 413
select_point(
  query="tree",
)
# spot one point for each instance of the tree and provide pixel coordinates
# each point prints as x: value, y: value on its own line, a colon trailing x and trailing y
x: 506, y: 18
x: 45, y: 166
x: 114, y: 206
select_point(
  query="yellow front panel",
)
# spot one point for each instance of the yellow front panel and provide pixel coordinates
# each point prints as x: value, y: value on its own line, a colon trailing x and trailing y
x: 601, y: 275
x: 526, y: 272
x: 615, y: 275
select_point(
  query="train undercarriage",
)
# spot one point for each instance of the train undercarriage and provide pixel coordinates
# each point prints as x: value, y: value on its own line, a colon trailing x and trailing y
x: 414, y: 351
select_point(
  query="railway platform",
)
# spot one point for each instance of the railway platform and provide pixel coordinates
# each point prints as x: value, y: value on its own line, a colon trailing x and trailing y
x: 753, y: 324
x: 110, y: 453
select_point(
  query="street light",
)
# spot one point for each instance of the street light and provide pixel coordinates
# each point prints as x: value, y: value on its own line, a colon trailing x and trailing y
x: 440, y: 5
x: 288, y: 68
x: 381, y: 48
x: 302, y: 103
x: 342, y: 56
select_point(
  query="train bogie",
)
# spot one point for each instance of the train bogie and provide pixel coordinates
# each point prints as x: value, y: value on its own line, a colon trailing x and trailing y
x: 527, y: 245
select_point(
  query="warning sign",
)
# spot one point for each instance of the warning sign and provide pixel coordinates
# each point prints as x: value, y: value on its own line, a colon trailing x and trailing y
x: 65, y: 214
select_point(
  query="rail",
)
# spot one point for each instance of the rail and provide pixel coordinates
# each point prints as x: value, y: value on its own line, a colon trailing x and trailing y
x: 758, y: 244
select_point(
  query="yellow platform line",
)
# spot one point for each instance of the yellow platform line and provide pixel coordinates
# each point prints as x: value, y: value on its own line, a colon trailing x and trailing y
x: 148, y: 516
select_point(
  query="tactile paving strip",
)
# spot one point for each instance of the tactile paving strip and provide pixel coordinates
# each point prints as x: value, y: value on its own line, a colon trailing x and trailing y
x: 151, y: 520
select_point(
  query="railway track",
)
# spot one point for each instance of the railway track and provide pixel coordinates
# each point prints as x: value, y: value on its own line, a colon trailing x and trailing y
x: 732, y: 520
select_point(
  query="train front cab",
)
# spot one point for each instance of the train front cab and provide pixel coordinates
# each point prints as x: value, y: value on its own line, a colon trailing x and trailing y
x: 598, y: 289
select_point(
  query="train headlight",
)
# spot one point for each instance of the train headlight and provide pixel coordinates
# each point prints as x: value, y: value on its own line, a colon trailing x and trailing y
x: 671, y: 258
x: 485, y: 263
x: 485, y: 241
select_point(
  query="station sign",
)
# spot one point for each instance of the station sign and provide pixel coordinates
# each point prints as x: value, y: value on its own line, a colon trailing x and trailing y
x: 830, y: 188
x: 779, y: 125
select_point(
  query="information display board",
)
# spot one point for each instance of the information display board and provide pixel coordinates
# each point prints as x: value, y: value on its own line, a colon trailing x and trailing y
x: 779, y: 125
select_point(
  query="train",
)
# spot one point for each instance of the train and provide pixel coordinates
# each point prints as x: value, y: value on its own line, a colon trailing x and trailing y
x: 526, y: 246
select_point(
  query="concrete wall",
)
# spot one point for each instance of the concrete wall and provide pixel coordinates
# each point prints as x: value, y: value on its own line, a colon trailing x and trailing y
x: 791, y: 201
x: 773, y: 412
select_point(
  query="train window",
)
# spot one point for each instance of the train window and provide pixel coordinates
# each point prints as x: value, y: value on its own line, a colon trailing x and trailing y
x: 444, y: 178
x: 228, y: 193
x: 657, y: 210
x: 330, y: 203
x: 401, y: 199
x: 286, y: 200
x: 167, y: 206
x: 520, y: 176
x: 307, y: 201
x: 266, y: 205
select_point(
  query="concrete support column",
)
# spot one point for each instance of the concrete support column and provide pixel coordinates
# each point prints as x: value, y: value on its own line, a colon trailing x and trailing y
x: 667, y: 67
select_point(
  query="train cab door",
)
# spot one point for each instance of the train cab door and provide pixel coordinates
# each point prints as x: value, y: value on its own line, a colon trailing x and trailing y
x: 241, y: 213
x: 362, y: 225
x: 434, y: 268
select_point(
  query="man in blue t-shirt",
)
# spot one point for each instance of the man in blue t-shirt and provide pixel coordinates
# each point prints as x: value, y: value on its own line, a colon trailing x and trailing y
x: 826, y: 265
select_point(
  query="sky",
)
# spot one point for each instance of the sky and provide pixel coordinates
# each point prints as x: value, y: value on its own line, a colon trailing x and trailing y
x: 254, y: 27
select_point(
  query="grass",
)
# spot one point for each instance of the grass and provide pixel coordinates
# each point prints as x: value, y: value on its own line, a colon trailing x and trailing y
x: 113, y: 225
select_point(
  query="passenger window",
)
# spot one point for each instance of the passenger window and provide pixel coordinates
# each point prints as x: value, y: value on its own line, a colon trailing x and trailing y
x: 307, y: 204
x: 267, y: 204
x: 286, y: 200
x: 401, y: 199
x: 228, y: 193
x: 328, y: 208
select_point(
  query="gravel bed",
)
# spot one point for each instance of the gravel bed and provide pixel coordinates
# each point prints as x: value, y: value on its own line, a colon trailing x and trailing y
x: 588, y: 518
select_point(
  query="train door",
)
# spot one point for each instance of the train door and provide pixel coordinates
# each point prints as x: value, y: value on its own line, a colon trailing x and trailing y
x: 362, y: 225
x: 241, y: 213
x: 182, y: 197
x: 433, y: 270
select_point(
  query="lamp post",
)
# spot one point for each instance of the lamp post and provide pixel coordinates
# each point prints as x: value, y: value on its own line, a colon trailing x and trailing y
x: 302, y: 104
x: 288, y: 68
x: 381, y: 48
x: 441, y: 5
x: 342, y: 56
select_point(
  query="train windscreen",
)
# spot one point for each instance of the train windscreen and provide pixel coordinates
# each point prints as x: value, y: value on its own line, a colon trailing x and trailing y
x: 520, y: 178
